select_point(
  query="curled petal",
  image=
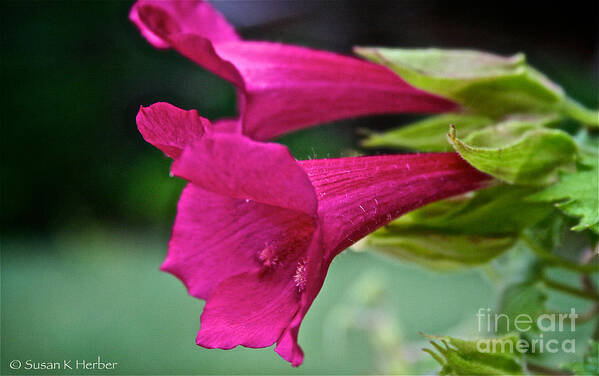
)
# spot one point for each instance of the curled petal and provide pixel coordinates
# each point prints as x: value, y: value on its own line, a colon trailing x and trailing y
x: 169, y: 128
x: 157, y: 19
x: 235, y: 166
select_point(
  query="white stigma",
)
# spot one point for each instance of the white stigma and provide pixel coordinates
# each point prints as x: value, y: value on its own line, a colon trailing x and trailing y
x: 268, y: 257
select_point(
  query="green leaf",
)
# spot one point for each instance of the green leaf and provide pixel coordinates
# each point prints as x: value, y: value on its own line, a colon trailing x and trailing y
x: 578, y: 192
x: 508, y: 130
x: 498, y: 356
x: 518, y: 153
x: 525, y: 298
x: 548, y: 233
x: 589, y: 364
x: 497, y: 211
x: 429, y: 134
x: 460, y: 232
x: 480, y: 82
x: 440, y: 251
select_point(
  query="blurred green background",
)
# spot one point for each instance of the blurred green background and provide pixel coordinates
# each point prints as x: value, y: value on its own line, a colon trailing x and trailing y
x: 86, y: 205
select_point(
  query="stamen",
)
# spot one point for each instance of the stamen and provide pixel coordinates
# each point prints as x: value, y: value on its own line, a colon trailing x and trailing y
x: 300, y: 275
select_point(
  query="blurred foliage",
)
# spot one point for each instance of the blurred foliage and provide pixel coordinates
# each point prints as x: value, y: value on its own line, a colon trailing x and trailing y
x: 74, y: 76
x: 590, y: 363
x: 526, y: 298
x: 577, y: 192
x: 496, y: 356
x: 99, y: 292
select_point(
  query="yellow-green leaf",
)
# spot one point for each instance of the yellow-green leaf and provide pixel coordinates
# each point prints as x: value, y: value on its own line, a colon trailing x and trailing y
x: 486, y: 356
x: 480, y: 82
x: 440, y: 251
x: 460, y: 232
x: 577, y: 193
x: 495, y: 211
x: 518, y: 154
x: 429, y: 134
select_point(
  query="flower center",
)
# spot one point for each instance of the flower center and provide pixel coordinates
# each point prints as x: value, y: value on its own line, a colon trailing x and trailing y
x: 268, y: 257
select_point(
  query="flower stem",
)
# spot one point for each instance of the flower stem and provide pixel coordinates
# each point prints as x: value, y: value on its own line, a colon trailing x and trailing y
x: 587, y: 316
x: 589, y: 285
x: 577, y: 111
x: 554, y: 260
x: 542, y: 370
x: 558, y: 286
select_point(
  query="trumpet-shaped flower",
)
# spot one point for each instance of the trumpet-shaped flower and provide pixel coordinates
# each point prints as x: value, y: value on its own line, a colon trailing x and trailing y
x: 256, y: 230
x: 281, y: 87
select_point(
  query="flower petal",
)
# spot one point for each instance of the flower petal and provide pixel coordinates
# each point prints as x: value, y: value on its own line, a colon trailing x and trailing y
x: 157, y: 19
x: 250, y: 309
x: 256, y: 309
x: 248, y: 240
x: 227, y: 125
x: 235, y: 166
x: 283, y: 87
x: 170, y: 128
x: 288, y: 87
x: 216, y: 237
x: 358, y: 195
x: 316, y: 271
x: 249, y: 206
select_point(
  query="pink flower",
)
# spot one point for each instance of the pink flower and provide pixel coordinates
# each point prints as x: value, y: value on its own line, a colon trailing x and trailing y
x: 256, y: 230
x: 281, y: 87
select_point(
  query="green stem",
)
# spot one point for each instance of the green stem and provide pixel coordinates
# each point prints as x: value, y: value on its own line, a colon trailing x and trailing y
x: 554, y: 260
x: 578, y: 112
x: 558, y: 286
x: 588, y: 284
x: 590, y: 315
x: 542, y: 370
x: 582, y: 318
